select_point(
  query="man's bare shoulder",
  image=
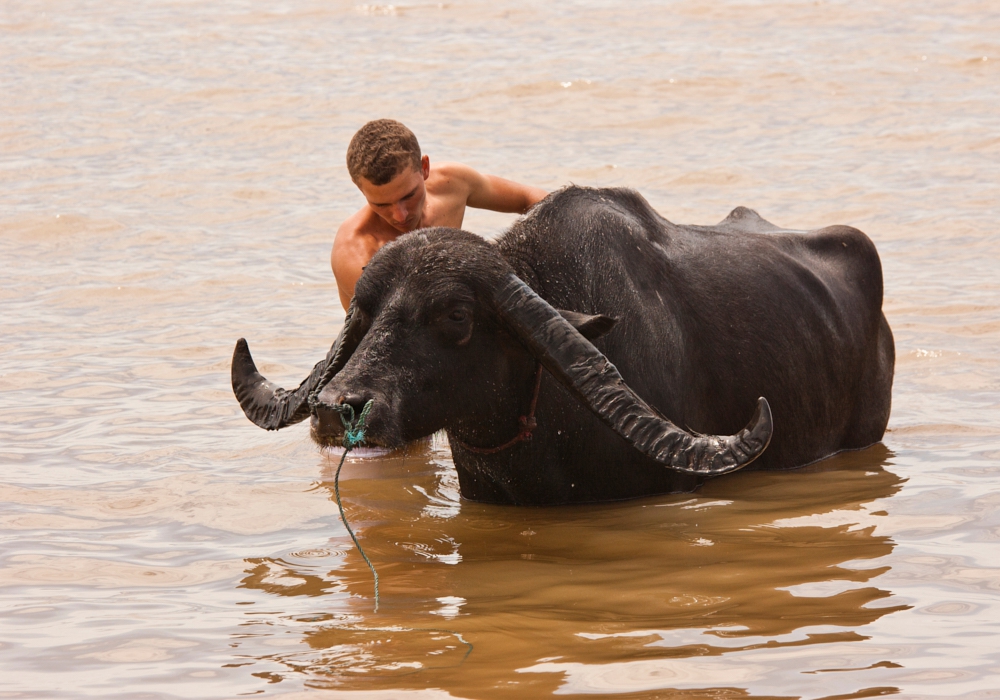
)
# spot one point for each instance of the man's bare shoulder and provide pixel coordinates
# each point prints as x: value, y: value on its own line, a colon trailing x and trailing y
x: 357, y: 239
x: 451, y: 178
x: 363, y: 229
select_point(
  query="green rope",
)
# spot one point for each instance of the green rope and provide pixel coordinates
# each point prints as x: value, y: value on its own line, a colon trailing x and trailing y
x: 354, y: 435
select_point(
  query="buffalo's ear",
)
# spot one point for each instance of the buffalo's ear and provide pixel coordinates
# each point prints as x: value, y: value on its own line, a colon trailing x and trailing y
x: 590, y: 327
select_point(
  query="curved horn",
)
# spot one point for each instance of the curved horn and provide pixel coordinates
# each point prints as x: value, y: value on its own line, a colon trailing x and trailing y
x: 274, y: 408
x: 591, y: 377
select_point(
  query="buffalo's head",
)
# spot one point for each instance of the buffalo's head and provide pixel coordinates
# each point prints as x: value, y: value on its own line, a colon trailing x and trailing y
x: 431, y: 339
x: 439, y: 331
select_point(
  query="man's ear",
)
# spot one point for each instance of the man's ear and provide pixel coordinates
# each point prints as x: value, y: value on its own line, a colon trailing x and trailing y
x: 590, y: 327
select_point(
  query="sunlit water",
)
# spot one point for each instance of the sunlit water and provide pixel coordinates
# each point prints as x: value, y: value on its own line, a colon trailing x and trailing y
x: 171, y: 176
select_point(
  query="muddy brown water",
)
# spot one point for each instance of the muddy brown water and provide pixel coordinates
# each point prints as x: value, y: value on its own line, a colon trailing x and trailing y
x: 171, y: 176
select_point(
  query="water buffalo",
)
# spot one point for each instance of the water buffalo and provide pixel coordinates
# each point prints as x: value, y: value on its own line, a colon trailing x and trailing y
x: 596, y: 351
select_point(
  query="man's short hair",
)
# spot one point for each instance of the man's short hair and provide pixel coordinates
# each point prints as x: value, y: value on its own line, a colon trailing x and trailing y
x: 381, y: 150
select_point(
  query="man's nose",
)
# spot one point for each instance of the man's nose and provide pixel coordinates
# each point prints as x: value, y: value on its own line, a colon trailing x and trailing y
x: 399, y: 213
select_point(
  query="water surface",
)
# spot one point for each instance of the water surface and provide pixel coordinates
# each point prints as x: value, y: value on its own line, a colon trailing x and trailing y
x: 171, y: 176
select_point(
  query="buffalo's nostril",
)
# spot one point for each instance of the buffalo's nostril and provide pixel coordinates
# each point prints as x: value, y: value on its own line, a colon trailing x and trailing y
x: 355, y: 401
x: 326, y: 425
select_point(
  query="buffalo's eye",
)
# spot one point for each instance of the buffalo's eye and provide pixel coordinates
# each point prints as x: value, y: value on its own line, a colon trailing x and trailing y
x: 455, y: 324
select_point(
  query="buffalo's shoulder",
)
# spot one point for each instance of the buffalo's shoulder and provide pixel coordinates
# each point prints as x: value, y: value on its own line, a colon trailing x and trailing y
x: 578, y: 229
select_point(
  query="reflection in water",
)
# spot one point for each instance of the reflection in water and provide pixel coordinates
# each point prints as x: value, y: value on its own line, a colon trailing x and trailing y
x: 679, y: 591
x: 276, y: 576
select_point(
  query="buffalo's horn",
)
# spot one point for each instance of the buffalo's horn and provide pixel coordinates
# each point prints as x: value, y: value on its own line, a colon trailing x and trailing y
x: 274, y: 408
x: 595, y: 381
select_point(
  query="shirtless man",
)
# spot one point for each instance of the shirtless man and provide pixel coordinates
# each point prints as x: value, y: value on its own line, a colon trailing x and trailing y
x: 405, y: 193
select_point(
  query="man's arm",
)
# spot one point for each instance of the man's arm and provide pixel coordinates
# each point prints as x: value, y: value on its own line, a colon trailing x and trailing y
x: 495, y: 193
x: 348, y: 257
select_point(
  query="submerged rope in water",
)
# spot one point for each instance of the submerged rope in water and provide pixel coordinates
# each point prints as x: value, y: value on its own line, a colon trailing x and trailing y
x: 354, y: 435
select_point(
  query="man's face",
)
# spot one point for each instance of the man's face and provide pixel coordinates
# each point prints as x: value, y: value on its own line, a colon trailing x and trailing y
x: 400, y: 202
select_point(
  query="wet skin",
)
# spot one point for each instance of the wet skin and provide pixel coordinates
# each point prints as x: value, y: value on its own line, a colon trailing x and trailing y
x: 418, y: 198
